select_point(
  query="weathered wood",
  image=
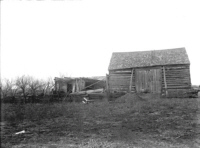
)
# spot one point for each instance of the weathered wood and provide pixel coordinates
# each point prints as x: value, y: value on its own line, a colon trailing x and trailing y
x: 169, y: 86
x: 124, y: 69
x: 165, y: 81
x: 117, y: 89
x: 175, y: 68
x: 177, y: 75
x: 131, y: 81
x: 120, y: 86
x: 172, y: 76
x: 119, y: 78
x: 88, y: 92
x: 120, y: 75
x: 107, y: 83
x: 148, y: 80
x: 120, y: 72
x: 178, y: 87
x: 177, y: 82
x: 186, y: 71
x: 120, y: 82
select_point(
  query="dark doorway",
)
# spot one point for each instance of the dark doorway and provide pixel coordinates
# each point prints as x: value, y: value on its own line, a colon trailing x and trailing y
x: 69, y: 88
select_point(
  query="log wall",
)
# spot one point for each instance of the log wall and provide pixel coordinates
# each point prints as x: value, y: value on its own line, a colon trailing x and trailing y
x: 120, y: 80
x: 177, y: 80
x: 60, y: 86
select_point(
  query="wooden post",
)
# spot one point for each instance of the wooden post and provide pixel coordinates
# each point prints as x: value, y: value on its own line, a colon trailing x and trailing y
x: 107, y: 87
x: 131, y: 80
x: 166, y: 92
x: 107, y: 81
x: 76, y: 87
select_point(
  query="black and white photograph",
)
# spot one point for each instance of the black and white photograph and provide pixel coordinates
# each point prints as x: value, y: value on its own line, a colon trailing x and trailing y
x: 100, y: 73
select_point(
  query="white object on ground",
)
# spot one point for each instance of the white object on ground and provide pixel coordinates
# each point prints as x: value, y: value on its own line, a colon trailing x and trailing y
x: 85, y: 99
x: 21, y: 132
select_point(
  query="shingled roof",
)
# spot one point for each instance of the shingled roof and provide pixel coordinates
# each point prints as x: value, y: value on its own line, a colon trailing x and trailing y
x: 122, y: 60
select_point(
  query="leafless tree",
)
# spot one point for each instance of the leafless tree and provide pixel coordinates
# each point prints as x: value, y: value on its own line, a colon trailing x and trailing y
x: 13, y: 88
x: 23, y: 84
x: 47, y: 86
x: 6, y: 87
x: 34, y: 85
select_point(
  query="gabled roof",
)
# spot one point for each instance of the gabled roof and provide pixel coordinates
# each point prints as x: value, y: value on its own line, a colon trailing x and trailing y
x: 122, y: 60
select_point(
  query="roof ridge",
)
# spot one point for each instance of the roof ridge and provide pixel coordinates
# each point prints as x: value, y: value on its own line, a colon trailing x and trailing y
x: 150, y: 50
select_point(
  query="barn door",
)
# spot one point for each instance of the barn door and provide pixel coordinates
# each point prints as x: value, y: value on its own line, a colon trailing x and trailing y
x: 148, y: 80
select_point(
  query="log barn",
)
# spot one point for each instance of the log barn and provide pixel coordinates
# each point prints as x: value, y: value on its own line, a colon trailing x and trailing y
x: 165, y: 72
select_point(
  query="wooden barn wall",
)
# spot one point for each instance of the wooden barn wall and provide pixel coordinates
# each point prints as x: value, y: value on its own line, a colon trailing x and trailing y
x: 60, y: 86
x: 119, y: 80
x: 78, y: 85
x: 148, y: 80
x: 178, y: 80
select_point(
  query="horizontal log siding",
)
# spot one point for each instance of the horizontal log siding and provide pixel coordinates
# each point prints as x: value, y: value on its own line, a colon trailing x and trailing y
x: 177, y: 79
x: 119, y: 80
x: 133, y: 88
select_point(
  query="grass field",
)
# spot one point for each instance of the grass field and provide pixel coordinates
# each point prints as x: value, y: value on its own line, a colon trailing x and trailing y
x: 125, y: 122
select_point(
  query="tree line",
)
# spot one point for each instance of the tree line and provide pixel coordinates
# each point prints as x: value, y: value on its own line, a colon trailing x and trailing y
x: 26, y: 89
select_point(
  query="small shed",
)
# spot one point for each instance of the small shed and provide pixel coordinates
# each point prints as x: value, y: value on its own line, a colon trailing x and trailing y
x: 165, y: 72
x: 72, y: 85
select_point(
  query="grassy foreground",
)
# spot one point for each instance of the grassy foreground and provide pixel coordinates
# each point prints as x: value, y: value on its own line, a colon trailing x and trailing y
x: 126, y: 122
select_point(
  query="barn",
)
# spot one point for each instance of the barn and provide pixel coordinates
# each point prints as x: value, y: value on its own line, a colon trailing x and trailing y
x: 165, y: 72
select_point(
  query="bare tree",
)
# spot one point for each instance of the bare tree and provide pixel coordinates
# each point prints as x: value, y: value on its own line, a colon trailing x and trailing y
x: 13, y: 88
x: 23, y: 84
x: 47, y: 86
x: 34, y: 85
x: 5, y: 88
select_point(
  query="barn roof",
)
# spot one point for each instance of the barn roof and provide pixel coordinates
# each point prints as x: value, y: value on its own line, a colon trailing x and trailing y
x: 122, y: 60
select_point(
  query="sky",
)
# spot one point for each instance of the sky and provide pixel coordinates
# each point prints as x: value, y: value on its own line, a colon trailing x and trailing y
x: 50, y: 38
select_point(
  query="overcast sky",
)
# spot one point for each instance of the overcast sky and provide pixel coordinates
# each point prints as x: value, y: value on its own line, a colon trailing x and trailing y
x: 77, y: 37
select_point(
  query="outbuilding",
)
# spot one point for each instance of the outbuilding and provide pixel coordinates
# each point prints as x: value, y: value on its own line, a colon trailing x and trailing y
x: 165, y: 72
x: 73, y: 85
